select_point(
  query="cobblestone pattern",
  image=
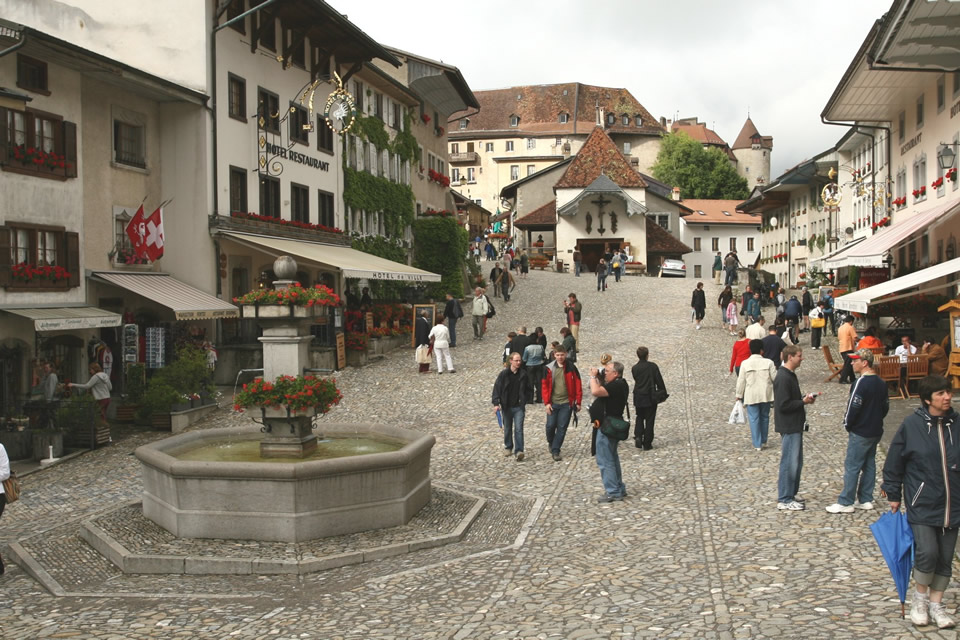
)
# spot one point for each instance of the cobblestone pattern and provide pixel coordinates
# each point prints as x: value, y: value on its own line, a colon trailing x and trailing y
x: 698, y: 549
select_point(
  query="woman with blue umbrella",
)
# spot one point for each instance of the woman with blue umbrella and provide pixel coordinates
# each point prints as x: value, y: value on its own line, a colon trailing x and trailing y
x: 923, y: 471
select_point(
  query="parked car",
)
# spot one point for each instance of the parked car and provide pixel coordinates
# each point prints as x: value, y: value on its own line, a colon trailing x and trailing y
x: 673, y: 268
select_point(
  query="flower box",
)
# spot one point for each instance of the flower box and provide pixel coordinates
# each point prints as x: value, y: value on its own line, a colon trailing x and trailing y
x: 278, y: 311
x: 283, y: 411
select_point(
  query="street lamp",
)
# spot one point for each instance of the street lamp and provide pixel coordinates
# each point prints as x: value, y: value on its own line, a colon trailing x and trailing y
x: 946, y: 155
x: 463, y: 180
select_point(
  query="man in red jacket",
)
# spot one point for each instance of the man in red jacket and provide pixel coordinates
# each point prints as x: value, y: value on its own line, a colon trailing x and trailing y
x: 562, y: 395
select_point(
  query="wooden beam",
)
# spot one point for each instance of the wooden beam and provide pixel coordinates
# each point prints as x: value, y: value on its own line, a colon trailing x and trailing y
x: 298, y: 38
x: 356, y: 67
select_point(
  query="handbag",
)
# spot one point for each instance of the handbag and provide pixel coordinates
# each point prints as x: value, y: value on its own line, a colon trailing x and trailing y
x: 11, y: 487
x: 660, y: 395
x: 736, y: 416
x: 423, y: 354
x: 615, y: 428
x: 818, y: 323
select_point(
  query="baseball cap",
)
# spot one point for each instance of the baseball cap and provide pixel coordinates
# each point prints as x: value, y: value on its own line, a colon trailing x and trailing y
x: 863, y: 354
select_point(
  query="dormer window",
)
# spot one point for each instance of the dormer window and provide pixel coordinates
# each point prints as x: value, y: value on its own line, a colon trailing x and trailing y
x: 611, y: 119
x: 463, y: 123
x: 638, y: 120
x: 514, y: 121
x: 625, y: 119
x: 564, y: 118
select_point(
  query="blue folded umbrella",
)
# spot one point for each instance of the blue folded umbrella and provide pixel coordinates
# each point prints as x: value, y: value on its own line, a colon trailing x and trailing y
x: 499, y: 419
x: 895, y: 539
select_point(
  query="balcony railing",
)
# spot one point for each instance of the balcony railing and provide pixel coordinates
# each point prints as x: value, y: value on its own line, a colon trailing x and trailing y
x: 468, y: 156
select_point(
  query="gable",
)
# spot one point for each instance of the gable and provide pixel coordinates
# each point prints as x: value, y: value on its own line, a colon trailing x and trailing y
x: 599, y: 156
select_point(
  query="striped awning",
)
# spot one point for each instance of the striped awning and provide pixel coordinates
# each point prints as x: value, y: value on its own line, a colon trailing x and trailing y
x: 186, y: 302
x: 66, y: 318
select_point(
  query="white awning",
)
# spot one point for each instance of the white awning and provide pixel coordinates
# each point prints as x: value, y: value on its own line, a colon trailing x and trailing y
x: 870, y: 253
x: 186, y: 302
x: 849, y: 245
x: 66, y: 318
x: 859, y: 301
x: 353, y: 263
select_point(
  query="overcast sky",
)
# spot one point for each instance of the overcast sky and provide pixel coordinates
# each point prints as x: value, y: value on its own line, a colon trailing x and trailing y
x: 713, y: 59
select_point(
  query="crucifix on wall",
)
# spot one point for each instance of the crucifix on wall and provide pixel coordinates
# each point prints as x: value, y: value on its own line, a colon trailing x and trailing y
x: 600, y: 202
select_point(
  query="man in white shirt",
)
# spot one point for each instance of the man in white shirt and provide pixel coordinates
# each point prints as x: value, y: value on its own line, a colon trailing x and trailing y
x: 905, y: 349
x: 756, y: 331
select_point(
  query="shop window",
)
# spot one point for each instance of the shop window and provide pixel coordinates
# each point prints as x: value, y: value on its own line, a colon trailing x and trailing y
x: 32, y: 74
x: 268, y: 108
x: 299, y: 121
x: 238, y: 190
x: 269, y: 197
x: 299, y: 203
x: 237, y: 97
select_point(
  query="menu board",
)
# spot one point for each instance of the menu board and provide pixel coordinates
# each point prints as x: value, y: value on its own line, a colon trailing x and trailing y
x: 156, y: 351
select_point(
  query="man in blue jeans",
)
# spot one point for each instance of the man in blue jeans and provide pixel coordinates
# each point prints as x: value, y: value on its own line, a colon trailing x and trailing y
x: 613, y: 392
x: 866, y: 409
x: 511, y: 393
x: 790, y: 415
x: 562, y: 394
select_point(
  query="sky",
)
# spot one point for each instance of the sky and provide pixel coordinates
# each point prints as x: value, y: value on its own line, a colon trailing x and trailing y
x: 718, y: 60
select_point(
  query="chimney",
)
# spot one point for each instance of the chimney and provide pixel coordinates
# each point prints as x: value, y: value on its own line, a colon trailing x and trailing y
x: 676, y: 194
x: 599, y: 122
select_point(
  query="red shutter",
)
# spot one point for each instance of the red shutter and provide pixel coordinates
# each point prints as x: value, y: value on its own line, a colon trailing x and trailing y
x: 5, y: 261
x: 70, y: 148
x: 73, y: 257
x: 5, y: 151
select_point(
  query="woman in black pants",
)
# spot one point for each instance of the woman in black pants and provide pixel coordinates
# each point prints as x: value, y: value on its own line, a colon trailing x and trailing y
x: 921, y: 472
x: 816, y: 317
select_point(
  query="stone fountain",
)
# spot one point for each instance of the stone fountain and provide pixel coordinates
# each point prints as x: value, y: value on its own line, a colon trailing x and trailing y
x: 285, y: 495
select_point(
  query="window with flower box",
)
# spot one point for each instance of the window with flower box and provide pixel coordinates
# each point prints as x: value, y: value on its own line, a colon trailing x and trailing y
x: 38, y: 143
x: 38, y: 257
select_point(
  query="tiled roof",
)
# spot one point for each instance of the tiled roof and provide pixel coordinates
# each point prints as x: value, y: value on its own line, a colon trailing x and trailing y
x: 699, y: 132
x: 747, y: 133
x: 545, y: 215
x: 539, y: 108
x: 712, y: 212
x: 599, y: 156
x: 659, y: 240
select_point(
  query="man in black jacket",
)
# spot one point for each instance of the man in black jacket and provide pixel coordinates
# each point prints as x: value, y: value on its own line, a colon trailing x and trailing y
x: 512, y: 391
x: 452, y: 312
x: 647, y: 388
x: 790, y: 414
x: 773, y: 346
x: 494, y: 277
x: 521, y: 342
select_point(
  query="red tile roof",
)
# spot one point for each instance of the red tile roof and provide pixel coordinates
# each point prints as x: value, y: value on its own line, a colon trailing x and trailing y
x: 539, y: 108
x: 699, y: 132
x: 660, y: 241
x: 545, y: 215
x: 599, y: 156
x: 711, y: 212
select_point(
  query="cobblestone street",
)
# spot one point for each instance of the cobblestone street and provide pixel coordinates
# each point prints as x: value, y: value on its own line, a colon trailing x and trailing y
x: 697, y: 550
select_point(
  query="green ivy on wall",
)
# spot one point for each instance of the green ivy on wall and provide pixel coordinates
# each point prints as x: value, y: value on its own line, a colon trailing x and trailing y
x: 373, y: 130
x: 362, y: 190
x: 439, y: 246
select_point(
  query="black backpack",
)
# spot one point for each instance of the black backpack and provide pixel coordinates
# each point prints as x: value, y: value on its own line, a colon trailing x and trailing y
x: 490, y: 310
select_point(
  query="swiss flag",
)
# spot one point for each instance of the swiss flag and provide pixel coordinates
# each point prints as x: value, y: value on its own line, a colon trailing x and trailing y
x: 153, y: 245
x: 146, y: 234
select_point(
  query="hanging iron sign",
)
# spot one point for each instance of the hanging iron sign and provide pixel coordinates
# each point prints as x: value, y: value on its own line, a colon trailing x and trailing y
x: 340, y: 110
x: 831, y: 195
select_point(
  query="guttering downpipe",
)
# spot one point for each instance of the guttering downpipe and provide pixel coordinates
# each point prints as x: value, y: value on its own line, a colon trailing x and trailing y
x: 12, y: 48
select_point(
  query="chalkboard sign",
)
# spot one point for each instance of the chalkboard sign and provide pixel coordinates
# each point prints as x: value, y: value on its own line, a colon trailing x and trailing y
x: 341, y: 350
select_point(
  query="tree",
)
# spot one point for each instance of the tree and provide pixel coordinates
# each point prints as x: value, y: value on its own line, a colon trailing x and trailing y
x: 699, y: 172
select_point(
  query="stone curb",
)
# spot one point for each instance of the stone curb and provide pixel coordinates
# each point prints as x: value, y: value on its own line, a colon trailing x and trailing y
x: 129, y: 562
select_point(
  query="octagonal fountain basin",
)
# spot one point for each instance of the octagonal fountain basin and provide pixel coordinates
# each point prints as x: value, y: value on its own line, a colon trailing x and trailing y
x: 281, y: 499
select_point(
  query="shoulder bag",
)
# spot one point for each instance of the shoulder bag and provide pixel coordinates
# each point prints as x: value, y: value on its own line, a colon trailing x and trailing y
x: 11, y: 487
x: 616, y: 428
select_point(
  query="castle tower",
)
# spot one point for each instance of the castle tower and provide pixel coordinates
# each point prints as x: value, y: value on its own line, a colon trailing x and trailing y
x: 753, y: 155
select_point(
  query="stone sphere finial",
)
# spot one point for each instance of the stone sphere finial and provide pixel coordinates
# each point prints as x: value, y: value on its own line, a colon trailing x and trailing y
x: 285, y: 268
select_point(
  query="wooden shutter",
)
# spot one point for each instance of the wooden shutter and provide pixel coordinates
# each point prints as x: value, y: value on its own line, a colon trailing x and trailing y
x: 73, y: 257
x: 5, y: 261
x: 5, y: 150
x: 70, y: 148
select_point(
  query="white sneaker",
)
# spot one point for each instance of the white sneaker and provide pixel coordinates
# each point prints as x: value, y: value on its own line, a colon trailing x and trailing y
x: 939, y: 615
x: 866, y: 506
x: 918, y: 610
x: 840, y: 508
x: 790, y: 506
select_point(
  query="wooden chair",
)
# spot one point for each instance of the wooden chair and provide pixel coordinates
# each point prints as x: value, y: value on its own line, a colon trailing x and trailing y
x: 888, y: 370
x: 833, y: 366
x: 918, y: 367
x: 877, y: 351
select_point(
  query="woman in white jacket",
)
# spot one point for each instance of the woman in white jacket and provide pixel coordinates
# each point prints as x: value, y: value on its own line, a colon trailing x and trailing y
x: 755, y: 389
x: 100, y: 388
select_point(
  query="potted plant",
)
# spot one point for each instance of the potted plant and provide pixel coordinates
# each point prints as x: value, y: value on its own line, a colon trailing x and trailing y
x: 156, y: 405
x: 134, y: 388
x: 20, y: 422
x: 294, y: 301
x: 288, y: 395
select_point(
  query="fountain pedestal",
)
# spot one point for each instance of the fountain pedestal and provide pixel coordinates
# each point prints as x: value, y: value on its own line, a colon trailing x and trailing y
x: 287, y: 435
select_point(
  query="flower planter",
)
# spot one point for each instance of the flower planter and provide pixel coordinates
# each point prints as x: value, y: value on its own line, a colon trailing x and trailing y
x: 160, y: 421
x: 180, y: 406
x: 126, y: 412
x: 280, y: 311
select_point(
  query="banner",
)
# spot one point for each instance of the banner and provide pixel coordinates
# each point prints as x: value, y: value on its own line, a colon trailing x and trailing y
x: 146, y: 234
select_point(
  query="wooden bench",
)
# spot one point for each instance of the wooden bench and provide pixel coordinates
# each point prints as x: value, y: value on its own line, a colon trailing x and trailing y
x: 835, y: 368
